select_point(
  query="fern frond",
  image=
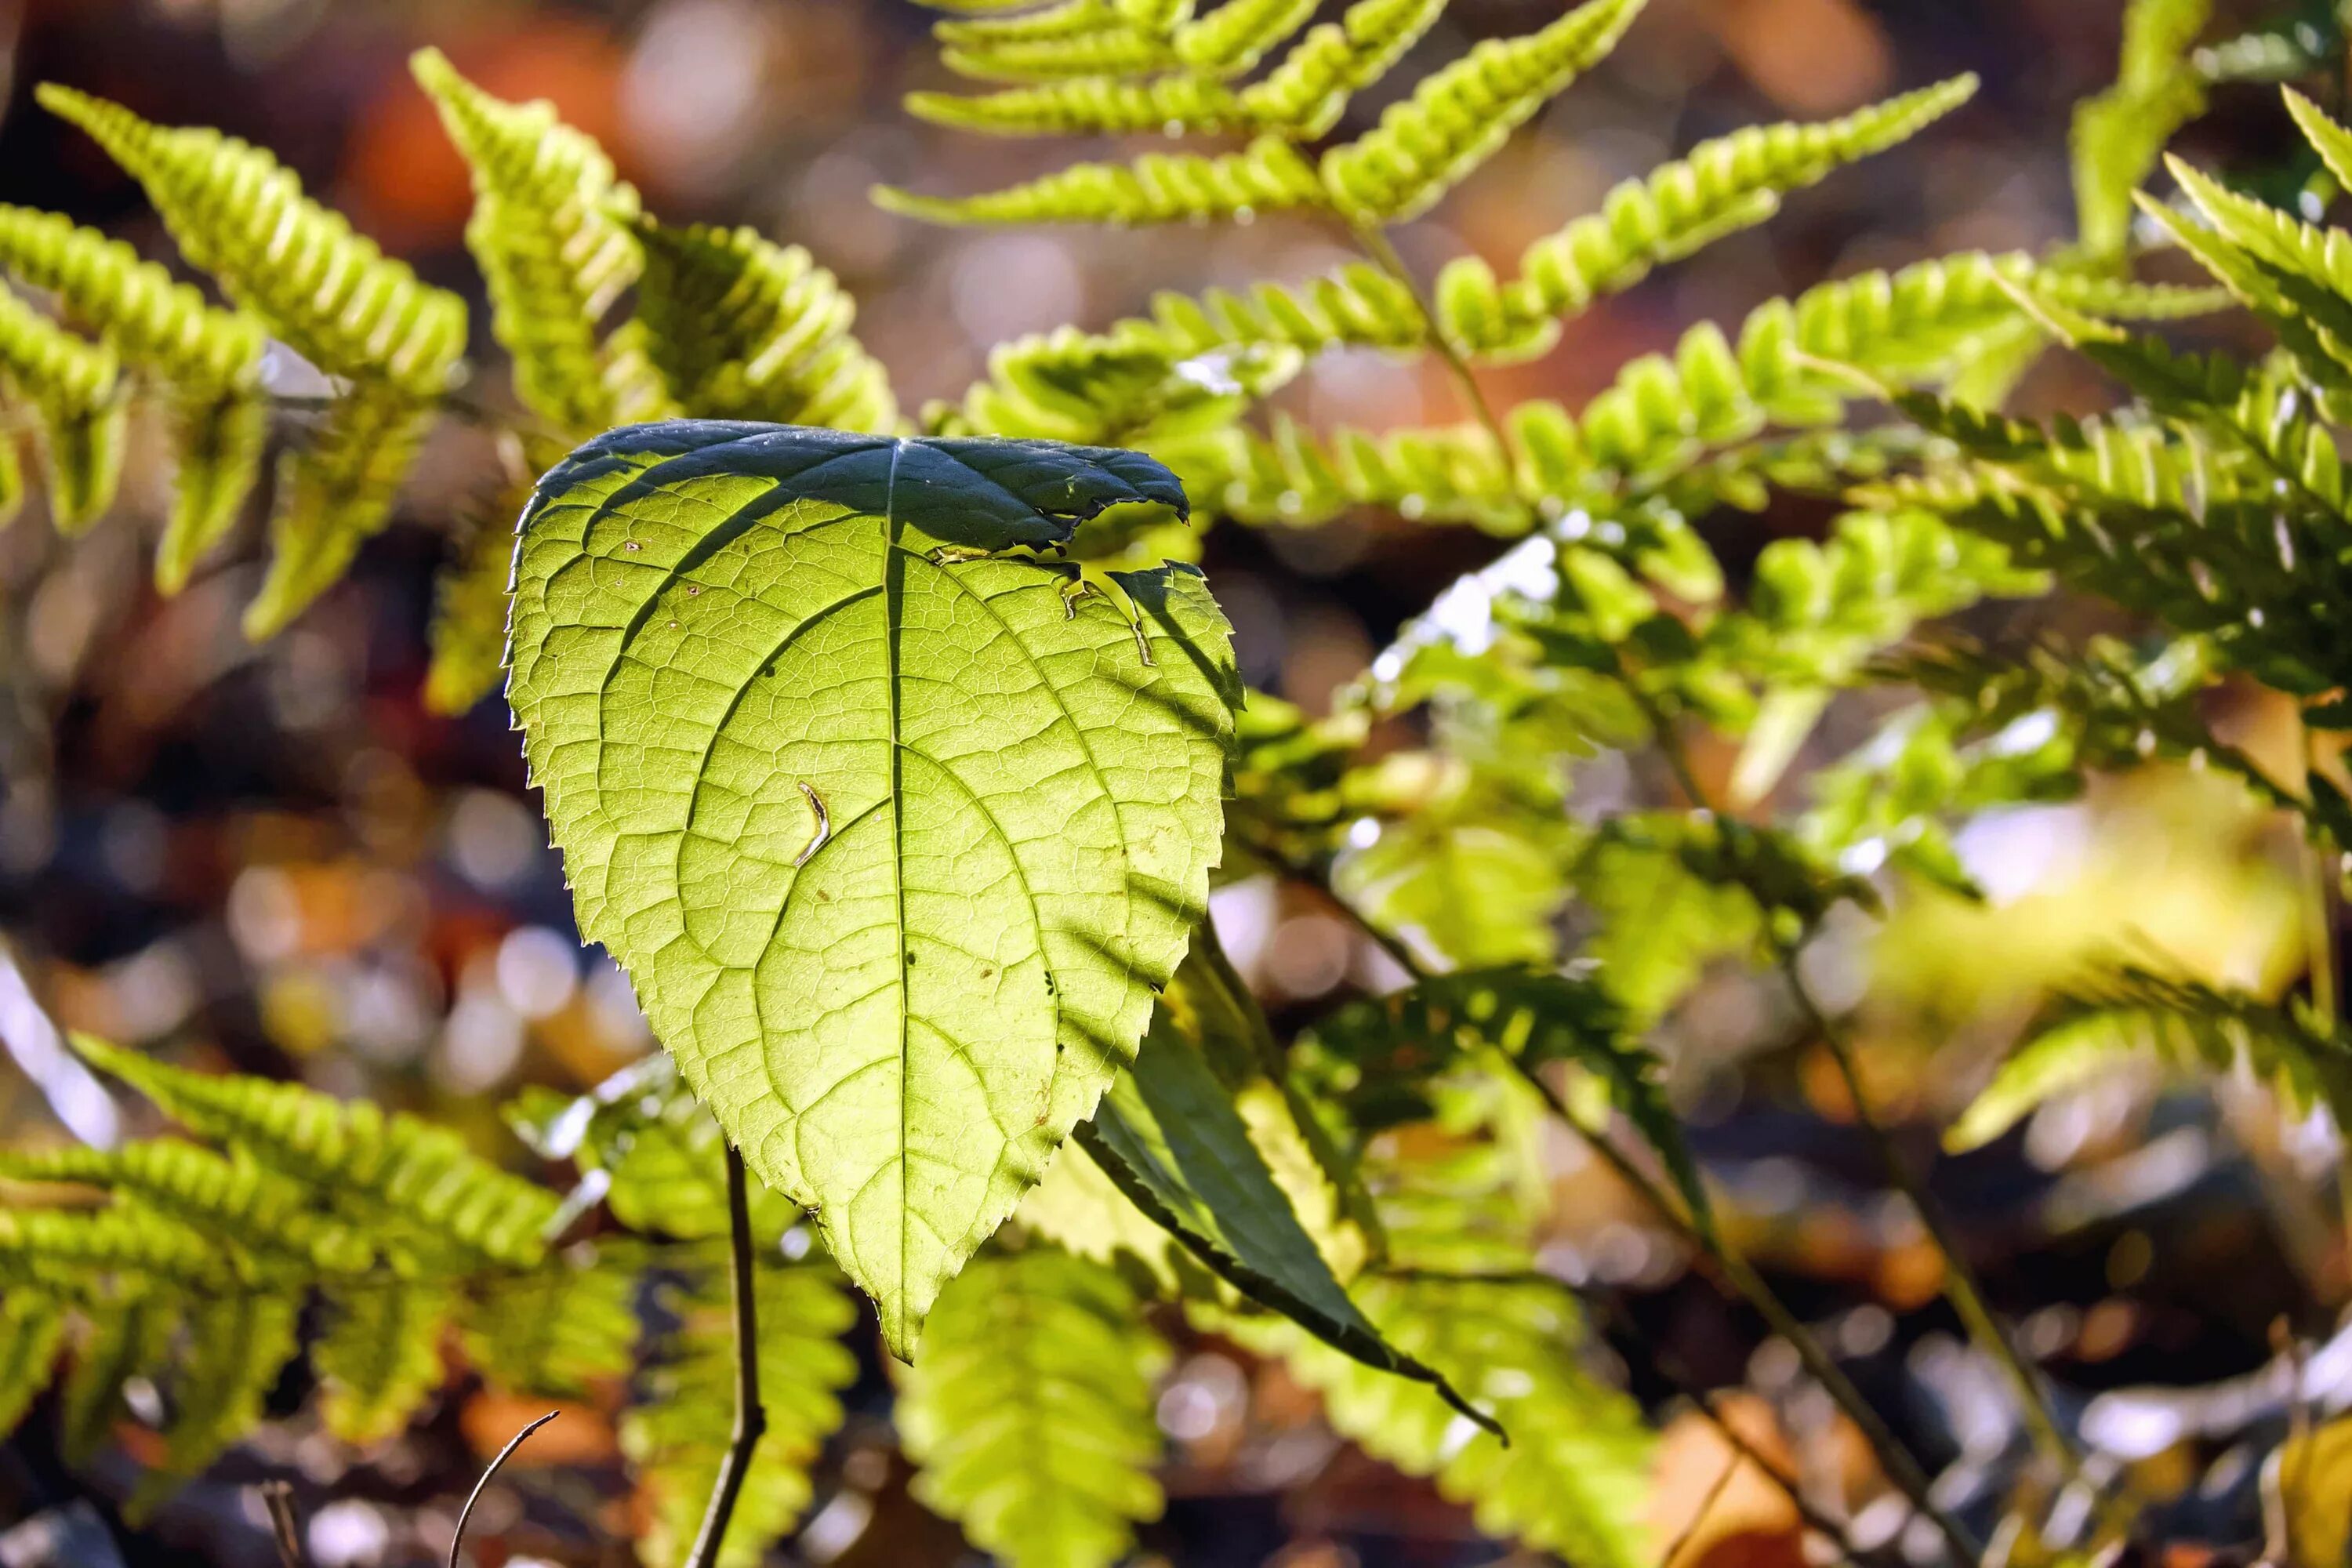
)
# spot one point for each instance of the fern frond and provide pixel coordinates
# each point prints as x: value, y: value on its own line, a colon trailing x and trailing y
x: 468, y: 633
x: 1295, y: 478
x: 1377, y: 1059
x: 412, y: 1169
x: 1724, y: 185
x: 1091, y: 106
x: 242, y: 217
x: 1269, y: 176
x: 1308, y: 91
x: 12, y: 471
x: 1029, y: 1415
x: 2187, y: 1025
x: 380, y: 1357
x: 743, y: 329
x: 333, y: 495
x: 1013, y: 22
x: 2331, y: 140
x: 233, y: 1349
x: 564, y: 1326
x: 1116, y: 50
x: 2118, y: 135
x: 549, y: 233
x: 217, y: 441
x: 1459, y: 116
x: 128, y: 1339
x: 1231, y: 38
x: 675, y: 1437
x: 1573, y: 1478
x: 74, y: 386
x: 63, y: 1250
x: 245, y: 1204
x: 32, y: 1327
x: 136, y: 306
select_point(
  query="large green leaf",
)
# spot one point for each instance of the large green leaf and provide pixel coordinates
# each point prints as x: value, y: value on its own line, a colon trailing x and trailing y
x: 897, y: 836
x: 1171, y: 1138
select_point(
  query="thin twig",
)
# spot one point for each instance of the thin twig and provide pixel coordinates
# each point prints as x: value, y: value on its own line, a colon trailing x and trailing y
x: 750, y: 1415
x: 1376, y: 244
x: 1733, y: 1268
x: 457, y: 1537
x: 1740, y: 1276
x: 278, y: 1497
x: 1713, y: 1495
x: 1960, y: 1284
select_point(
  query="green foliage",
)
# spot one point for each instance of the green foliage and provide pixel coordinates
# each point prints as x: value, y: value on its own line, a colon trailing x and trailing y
x: 2186, y: 1024
x: 1171, y: 1138
x: 743, y: 329
x: 1269, y: 176
x: 675, y: 1437
x: 1031, y: 1411
x: 1724, y: 185
x: 1456, y: 118
x: 242, y: 217
x: 2119, y: 134
x: 72, y: 385
x: 548, y: 229
x: 913, y: 1086
x: 1573, y: 1475
x: 380, y: 1357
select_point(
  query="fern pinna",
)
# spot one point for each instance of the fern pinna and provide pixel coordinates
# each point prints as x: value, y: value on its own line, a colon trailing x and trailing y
x: 1065, y: 1146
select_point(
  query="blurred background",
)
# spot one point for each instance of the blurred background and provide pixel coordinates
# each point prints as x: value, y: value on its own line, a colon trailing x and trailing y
x: 275, y: 852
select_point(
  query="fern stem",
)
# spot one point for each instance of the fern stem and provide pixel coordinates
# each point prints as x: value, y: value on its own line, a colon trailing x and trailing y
x: 750, y: 1415
x: 1377, y: 246
x: 1731, y: 1268
x: 277, y: 1499
x: 457, y: 1536
x: 1960, y: 1284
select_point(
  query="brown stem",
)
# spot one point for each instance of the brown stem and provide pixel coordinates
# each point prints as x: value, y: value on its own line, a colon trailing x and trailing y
x: 286, y: 1529
x: 457, y: 1536
x: 750, y: 1415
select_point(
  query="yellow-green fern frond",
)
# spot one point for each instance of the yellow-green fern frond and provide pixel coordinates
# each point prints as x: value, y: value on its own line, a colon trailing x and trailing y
x: 1231, y: 38
x: 2331, y: 140
x: 1460, y: 115
x: 1724, y: 185
x: 261, y: 1210
x: 125, y: 1337
x: 2118, y: 135
x: 548, y: 232
x: 1159, y: 187
x: 1014, y: 24
x: 1305, y: 94
x: 218, y: 439
x: 241, y: 216
x: 333, y: 494
x: 743, y: 329
x: 1574, y: 1476
x: 468, y: 633
x: 232, y: 1349
x: 1029, y: 1413
x: 1114, y: 390
x: 150, y: 318
x: 412, y: 1169
x: 74, y: 386
x: 64, y: 1250
x: 1092, y: 105
x: 676, y: 1438
x: 1295, y: 478
x: 561, y: 1328
x: 12, y: 471
x: 32, y: 1327
x: 1114, y: 49
x: 380, y: 1357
